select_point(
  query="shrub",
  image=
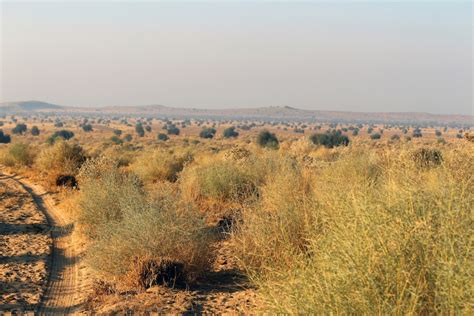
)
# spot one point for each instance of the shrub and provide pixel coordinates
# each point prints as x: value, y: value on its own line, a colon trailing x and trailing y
x: 417, y: 133
x: 58, y: 124
x: 395, y: 137
x: 4, y: 138
x: 207, y: 133
x: 330, y: 140
x: 230, y: 132
x: 218, y: 181
x: 160, y: 165
x: 61, y: 158
x: 117, y: 132
x: 35, y: 131
x: 21, y: 154
x: 438, y: 133
x: 267, y: 140
x: 427, y: 157
x: 172, y: 130
x: 19, y: 129
x: 375, y: 136
x: 368, y: 234
x: 139, y: 130
x: 62, y: 134
x: 135, y: 235
x: 87, y: 127
x: 162, y: 137
x: 128, y: 138
x: 116, y: 140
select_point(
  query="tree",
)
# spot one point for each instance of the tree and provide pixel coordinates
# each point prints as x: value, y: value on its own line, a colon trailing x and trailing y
x: 267, y: 139
x: 438, y: 133
x: 116, y: 140
x: 4, y: 138
x: 230, y: 132
x: 19, y: 129
x: 162, y: 137
x: 139, y: 129
x: 330, y: 140
x: 35, y: 131
x: 207, y: 133
x: 148, y: 128
x: 375, y: 136
x: 417, y: 133
x: 64, y: 134
x: 87, y: 128
x: 128, y: 138
x: 117, y: 132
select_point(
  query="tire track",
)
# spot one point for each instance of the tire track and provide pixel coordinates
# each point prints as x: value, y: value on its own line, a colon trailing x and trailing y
x: 63, y: 292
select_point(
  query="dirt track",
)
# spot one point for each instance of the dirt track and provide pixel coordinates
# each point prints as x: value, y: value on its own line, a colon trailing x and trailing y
x: 64, y: 291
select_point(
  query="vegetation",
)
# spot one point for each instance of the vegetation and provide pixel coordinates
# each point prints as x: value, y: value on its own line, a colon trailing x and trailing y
x: 4, y: 138
x: 207, y: 133
x: 267, y: 140
x: 35, y: 131
x: 230, y: 132
x: 19, y: 129
x: 330, y: 140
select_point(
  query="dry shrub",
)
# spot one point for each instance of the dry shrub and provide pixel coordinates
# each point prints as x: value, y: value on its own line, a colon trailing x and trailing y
x: 61, y: 158
x: 18, y: 154
x: 367, y: 234
x: 427, y: 157
x: 160, y: 165
x: 135, y: 233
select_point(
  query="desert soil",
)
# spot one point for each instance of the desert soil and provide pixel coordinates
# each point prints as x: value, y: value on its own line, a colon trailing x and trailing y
x: 39, y: 261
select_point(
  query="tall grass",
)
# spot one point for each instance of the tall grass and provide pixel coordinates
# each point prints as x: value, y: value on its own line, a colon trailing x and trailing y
x: 369, y: 233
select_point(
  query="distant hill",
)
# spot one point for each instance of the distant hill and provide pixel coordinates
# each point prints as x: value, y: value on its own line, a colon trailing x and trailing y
x: 262, y: 113
x: 28, y: 106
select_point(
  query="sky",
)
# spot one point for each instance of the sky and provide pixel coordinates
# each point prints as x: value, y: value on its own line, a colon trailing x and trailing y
x: 370, y: 56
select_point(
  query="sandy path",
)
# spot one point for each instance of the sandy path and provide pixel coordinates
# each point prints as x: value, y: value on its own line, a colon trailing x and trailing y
x: 64, y: 293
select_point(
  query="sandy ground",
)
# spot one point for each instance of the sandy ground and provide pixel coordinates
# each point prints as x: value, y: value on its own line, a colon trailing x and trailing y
x: 25, y: 244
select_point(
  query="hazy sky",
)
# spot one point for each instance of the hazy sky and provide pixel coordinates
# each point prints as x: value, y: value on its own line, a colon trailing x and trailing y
x: 339, y: 55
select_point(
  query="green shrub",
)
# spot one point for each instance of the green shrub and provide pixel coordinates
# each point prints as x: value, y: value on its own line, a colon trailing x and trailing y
x: 62, y: 134
x: 230, y: 132
x: 35, y: 131
x: 139, y: 130
x: 330, y: 140
x: 19, y: 129
x: 207, y: 133
x: 162, y: 137
x: 267, y: 140
x: 4, y: 138
x: 375, y: 136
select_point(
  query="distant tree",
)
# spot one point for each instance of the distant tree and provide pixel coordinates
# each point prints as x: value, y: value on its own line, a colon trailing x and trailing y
x: 19, y: 129
x: 87, y: 127
x: 355, y: 132
x: 35, y: 131
x: 375, y: 136
x: 438, y: 133
x: 162, y: 137
x: 64, y: 134
x: 230, y: 132
x: 4, y: 138
x: 330, y: 140
x: 207, y: 133
x: 128, y: 138
x: 172, y: 130
x: 58, y: 124
x: 148, y: 128
x: 267, y: 139
x: 370, y: 130
x: 117, y: 132
x: 116, y: 140
x: 139, y: 130
x: 458, y: 135
x: 417, y: 133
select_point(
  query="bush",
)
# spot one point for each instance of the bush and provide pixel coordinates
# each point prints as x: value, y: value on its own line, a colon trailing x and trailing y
x: 128, y: 138
x: 62, y: 134
x: 162, y: 137
x: 35, y: 131
x: 218, y: 181
x: 62, y: 158
x: 395, y: 137
x: 207, y: 133
x: 135, y: 235
x: 368, y: 234
x: 21, y: 154
x: 4, y: 138
x: 417, y: 133
x: 160, y: 165
x: 117, y: 132
x: 139, y: 130
x: 87, y: 127
x: 116, y: 140
x: 267, y: 140
x: 330, y: 140
x: 427, y: 157
x: 19, y: 129
x: 230, y: 132
x: 375, y: 136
